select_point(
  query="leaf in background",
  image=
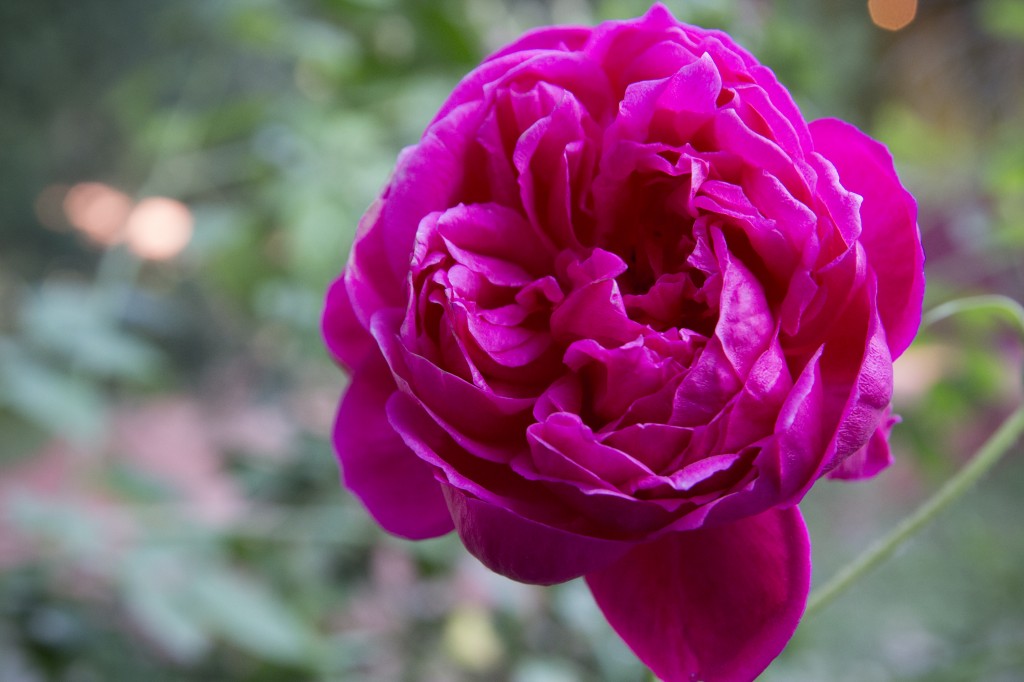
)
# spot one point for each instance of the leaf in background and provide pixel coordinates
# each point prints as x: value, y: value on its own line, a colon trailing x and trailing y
x: 185, y: 601
x: 130, y: 483
x: 282, y: 301
x: 72, y: 323
x: 58, y: 403
x: 249, y: 615
x: 217, y: 227
x: 21, y: 438
x: 1003, y: 18
x: 155, y: 597
x: 541, y: 670
x: 62, y: 525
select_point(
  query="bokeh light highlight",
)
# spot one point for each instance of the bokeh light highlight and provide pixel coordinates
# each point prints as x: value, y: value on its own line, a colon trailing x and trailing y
x: 892, y: 15
x: 159, y: 228
x: 97, y: 210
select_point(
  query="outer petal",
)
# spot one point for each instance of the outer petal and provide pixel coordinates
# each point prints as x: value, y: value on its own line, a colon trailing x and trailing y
x: 889, y: 225
x: 715, y: 604
x: 346, y: 339
x: 397, y: 488
x: 526, y: 550
x: 871, y: 458
x: 562, y: 38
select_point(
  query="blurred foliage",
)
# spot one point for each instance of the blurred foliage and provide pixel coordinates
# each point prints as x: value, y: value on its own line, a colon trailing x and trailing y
x: 169, y: 504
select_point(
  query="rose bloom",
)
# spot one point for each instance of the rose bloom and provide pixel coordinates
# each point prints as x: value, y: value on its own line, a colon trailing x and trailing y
x: 613, y: 316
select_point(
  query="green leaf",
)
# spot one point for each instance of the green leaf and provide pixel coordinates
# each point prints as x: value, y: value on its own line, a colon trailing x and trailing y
x: 73, y: 324
x: 541, y: 670
x: 250, y: 616
x: 56, y: 402
x: 154, y: 595
x: 1003, y: 18
x: 65, y: 526
x: 21, y: 438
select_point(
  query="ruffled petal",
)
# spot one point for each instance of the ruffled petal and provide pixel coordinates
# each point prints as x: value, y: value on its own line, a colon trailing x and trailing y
x: 564, y: 447
x: 397, y: 487
x: 685, y: 100
x: 871, y: 458
x: 715, y: 604
x: 890, y: 234
x: 428, y: 177
x: 464, y: 409
x: 535, y: 503
x: 562, y: 38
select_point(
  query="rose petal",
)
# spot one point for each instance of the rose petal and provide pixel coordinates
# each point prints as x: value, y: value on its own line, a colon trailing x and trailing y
x: 656, y: 445
x: 427, y: 178
x: 708, y: 387
x: 526, y: 550
x: 615, y: 378
x: 567, y: 38
x: 745, y: 323
x: 757, y: 405
x: 890, y: 233
x: 495, y: 237
x: 563, y: 442
x: 521, y: 491
x: 368, y: 277
x: 672, y: 109
x: 346, y: 339
x: 760, y: 106
x: 596, y: 311
x: 397, y: 488
x: 463, y: 408
x: 871, y: 458
x: 551, y: 156
x: 838, y: 205
x: 790, y: 460
x: 616, y: 44
x: 866, y: 405
x: 715, y: 604
x: 757, y: 151
x: 480, y: 81
x: 698, y: 472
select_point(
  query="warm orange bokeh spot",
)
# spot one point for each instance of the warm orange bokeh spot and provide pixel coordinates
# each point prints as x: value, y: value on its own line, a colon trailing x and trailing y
x: 892, y: 15
x: 98, y: 210
x: 159, y: 228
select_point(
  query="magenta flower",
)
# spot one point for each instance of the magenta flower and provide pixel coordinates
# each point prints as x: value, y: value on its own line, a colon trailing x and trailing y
x: 613, y: 316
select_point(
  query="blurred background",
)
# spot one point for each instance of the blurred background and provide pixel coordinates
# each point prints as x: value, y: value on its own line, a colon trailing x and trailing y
x: 179, y: 181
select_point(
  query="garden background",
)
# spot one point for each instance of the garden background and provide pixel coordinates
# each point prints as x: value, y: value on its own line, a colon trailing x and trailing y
x: 179, y: 181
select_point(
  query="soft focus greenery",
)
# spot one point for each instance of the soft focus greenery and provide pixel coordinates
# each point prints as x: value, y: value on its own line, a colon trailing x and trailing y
x: 169, y: 501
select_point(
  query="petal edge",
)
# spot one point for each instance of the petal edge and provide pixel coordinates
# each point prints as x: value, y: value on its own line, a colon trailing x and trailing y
x: 716, y: 604
x: 396, y: 487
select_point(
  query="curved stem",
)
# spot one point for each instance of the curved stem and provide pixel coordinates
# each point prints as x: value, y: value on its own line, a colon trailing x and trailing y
x: 990, y: 453
x: 987, y: 456
x: 994, y: 302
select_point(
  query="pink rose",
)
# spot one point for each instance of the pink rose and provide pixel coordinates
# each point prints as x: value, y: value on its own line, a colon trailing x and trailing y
x: 613, y: 316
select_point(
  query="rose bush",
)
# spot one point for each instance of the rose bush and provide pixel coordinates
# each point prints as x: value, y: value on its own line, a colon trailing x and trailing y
x: 613, y: 316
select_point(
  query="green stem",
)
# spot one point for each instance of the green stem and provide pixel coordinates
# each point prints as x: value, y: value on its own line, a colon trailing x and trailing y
x: 990, y: 453
x: 987, y: 457
x: 996, y: 303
